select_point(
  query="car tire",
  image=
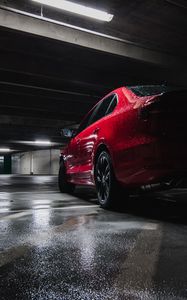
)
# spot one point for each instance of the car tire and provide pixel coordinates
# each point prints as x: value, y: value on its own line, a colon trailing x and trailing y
x: 108, y: 189
x: 64, y: 185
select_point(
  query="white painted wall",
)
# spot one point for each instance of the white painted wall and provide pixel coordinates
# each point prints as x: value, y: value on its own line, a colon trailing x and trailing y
x: 38, y: 162
x: 16, y: 164
x: 41, y: 162
x: 55, y: 156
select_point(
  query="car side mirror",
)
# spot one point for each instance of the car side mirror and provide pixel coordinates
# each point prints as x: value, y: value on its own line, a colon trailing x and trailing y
x: 68, y: 132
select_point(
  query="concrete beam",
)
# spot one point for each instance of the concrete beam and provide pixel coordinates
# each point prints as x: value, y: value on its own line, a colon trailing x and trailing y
x: 44, y: 27
x: 24, y: 121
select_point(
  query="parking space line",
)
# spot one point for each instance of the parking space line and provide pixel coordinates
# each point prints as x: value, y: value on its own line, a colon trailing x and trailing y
x: 18, y: 214
x: 77, y: 207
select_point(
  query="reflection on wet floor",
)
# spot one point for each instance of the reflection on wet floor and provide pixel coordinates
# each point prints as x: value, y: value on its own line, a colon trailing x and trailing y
x: 55, y: 246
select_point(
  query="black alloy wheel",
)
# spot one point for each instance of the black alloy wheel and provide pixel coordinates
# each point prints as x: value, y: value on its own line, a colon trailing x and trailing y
x: 106, y: 184
x: 64, y: 185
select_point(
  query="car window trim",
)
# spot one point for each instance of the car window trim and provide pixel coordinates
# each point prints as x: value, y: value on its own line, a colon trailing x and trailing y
x: 115, y: 96
x: 95, y: 109
x: 99, y: 104
x: 90, y: 113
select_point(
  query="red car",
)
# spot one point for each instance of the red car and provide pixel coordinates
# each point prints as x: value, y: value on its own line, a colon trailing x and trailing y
x: 135, y: 137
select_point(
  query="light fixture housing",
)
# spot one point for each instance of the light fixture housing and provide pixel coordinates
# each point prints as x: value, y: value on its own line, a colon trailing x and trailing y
x: 78, y: 9
x: 5, y: 150
x: 42, y: 143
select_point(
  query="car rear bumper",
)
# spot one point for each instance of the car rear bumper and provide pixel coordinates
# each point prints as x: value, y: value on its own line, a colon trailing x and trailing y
x: 153, y: 162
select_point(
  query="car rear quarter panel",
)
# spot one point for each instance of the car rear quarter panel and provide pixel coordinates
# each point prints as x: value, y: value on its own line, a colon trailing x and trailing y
x: 131, y: 142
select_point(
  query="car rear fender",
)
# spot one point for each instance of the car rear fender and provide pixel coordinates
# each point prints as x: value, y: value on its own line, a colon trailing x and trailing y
x: 102, y: 146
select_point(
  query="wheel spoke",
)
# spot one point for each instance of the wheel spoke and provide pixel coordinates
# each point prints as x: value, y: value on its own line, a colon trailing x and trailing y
x: 98, y: 179
x: 101, y: 191
x: 99, y: 174
x: 103, y: 178
x: 107, y: 175
x: 107, y: 186
x: 106, y: 192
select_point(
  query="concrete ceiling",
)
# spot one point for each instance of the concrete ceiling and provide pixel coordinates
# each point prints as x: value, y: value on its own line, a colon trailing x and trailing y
x: 50, y: 77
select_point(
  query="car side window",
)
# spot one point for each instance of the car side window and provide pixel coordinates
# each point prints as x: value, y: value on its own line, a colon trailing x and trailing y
x: 112, y: 105
x: 85, y: 122
x: 102, y: 109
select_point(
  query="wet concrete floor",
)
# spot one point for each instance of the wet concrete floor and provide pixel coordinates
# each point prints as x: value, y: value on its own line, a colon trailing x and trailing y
x: 55, y: 246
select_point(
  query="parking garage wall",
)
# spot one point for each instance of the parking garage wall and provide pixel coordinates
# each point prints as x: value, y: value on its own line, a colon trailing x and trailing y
x: 36, y: 162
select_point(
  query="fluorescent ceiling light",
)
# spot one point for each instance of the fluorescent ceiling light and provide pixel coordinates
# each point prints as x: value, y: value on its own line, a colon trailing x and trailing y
x: 42, y: 142
x: 4, y: 149
x: 78, y: 9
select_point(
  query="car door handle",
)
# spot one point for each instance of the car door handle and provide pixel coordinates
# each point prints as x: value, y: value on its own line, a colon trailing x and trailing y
x: 95, y: 130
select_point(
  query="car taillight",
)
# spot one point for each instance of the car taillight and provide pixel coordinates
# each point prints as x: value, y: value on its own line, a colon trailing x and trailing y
x: 150, y: 108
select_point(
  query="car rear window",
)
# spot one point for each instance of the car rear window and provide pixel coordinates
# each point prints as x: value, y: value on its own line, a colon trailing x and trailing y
x: 149, y: 90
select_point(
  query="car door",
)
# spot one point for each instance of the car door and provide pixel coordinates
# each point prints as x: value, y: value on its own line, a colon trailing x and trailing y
x: 72, y: 155
x: 89, y: 138
x: 72, y: 159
